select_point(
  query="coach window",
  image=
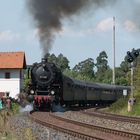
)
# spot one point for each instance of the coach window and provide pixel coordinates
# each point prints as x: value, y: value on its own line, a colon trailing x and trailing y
x: 7, y: 75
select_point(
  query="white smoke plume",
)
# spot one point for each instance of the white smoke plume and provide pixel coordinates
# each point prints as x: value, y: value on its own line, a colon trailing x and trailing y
x: 27, y: 108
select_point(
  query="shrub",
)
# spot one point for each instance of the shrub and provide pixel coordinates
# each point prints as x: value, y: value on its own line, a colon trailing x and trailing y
x: 15, y: 108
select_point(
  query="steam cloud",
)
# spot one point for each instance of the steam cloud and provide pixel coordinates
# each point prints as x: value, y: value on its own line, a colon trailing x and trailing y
x: 48, y: 15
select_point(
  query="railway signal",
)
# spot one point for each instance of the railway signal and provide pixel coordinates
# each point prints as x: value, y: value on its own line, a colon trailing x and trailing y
x: 131, y: 56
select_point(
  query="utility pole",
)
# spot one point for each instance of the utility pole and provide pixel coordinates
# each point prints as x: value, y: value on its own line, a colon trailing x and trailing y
x: 113, y: 74
x: 132, y: 73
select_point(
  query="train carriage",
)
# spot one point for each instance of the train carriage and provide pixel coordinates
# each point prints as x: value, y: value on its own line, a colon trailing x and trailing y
x: 68, y: 92
x: 93, y: 93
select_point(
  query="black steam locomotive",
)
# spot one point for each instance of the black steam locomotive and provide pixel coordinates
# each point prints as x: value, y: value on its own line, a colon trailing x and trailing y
x: 48, y: 86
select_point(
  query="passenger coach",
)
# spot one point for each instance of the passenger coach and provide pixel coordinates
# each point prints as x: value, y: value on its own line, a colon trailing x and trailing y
x: 82, y: 92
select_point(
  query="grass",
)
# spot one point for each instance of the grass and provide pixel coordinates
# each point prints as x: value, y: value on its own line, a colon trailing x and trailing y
x: 121, y: 107
x: 15, y: 108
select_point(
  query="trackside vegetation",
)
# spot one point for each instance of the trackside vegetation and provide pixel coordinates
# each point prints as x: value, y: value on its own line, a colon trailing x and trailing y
x: 5, y: 132
x: 15, y: 107
x: 5, y: 114
x: 121, y: 107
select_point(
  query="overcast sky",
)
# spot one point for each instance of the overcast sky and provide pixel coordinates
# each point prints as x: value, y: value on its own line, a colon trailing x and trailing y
x: 81, y: 37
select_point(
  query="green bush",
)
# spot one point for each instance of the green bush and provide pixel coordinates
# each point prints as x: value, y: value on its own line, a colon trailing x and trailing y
x: 15, y: 108
x: 119, y: 105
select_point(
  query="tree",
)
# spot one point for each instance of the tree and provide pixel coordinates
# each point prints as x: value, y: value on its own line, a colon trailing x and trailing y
x: 124, y: 66
x: 85, y: 69
x: 51, y: 58
x: 70, y: 73
x: 121, y: 77
x: 26, y: 77
x: 102, y: 66
x: 137, y: 78
x: 102, y: 63
x: 107, y: 76
x: 60, y: 61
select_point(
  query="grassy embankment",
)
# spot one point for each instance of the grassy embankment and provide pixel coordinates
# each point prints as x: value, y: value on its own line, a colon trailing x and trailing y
x: 121, y: 106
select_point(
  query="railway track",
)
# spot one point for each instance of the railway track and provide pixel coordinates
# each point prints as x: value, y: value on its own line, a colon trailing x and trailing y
x: 81, y: 130
x: 97, y: 113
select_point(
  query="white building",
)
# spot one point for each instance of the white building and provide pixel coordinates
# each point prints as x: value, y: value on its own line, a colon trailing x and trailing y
x: 11, y: 72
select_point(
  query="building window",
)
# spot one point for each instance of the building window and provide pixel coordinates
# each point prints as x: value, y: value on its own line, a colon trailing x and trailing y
x: 7, y: 75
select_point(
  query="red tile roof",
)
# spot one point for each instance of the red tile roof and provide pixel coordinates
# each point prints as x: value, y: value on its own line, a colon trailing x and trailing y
x: 12, y: 60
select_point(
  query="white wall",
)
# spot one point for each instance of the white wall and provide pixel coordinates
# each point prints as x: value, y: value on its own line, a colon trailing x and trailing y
x: 11, y: 85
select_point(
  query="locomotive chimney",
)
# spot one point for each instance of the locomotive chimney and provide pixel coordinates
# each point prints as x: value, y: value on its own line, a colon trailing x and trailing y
x: 44, y: 60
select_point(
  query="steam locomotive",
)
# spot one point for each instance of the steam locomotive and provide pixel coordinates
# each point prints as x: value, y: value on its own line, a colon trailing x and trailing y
x: 48, y: 86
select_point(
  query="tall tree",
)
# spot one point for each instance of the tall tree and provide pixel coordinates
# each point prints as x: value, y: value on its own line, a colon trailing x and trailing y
x: 102, y: 63
x: 102, y: 66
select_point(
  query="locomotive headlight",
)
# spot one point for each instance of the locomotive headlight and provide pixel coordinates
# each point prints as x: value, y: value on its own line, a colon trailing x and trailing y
x: 32, y: 91
x: 52, y: 92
